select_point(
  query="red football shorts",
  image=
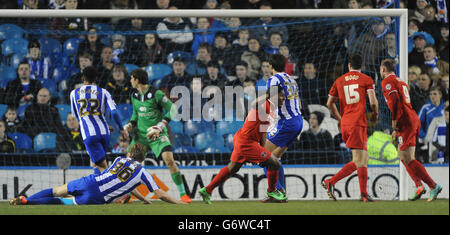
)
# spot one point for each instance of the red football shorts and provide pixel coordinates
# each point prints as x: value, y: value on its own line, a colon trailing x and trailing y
x: 355, y: 137
x: 248, y: 151
x: 407, y: 137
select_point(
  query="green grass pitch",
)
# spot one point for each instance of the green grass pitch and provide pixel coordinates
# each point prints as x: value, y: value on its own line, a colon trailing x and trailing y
x: 438, y: 207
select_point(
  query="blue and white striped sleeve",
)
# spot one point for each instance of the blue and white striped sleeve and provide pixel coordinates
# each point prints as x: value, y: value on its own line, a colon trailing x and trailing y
x: 273, y: 81
x: 148, y: 180
x: 109, y: 100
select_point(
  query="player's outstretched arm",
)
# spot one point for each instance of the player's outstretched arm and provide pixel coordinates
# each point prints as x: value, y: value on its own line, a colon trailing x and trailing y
x: 166, y: 197
x: 140, y: 197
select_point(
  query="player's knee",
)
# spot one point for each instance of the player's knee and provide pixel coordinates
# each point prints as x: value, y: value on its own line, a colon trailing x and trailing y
x: 273, y: 163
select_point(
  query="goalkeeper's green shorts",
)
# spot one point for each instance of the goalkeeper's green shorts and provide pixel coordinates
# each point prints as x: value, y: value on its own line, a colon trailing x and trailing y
x: 157, y: 146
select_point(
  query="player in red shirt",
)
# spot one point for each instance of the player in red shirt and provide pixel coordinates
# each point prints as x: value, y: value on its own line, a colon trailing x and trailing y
x: 248, y: 145
x: 406, y: 127
x: 351, y: 90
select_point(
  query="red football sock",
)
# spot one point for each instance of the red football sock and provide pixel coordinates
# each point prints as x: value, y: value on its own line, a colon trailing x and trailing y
x: 421, y: 173
x: 344, y: 172
x: 272, y: 177
x: 362, y: 177
x: 411, y: 174
x: 221, y: 177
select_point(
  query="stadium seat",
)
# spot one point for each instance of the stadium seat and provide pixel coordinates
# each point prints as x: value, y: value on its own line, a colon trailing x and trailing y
x: 181, y: 139
x: 130, y: 67
x: 225, y: 127
x: 176, y: 127
x: 194, y: 70
x: 21, y: 111
x: 217, y: 150
x: 50, y: 84
x: 185, y: 149
x: 7, y: 73
x: 183, y: 54
x: 16, y: 58
x: 126, y: 111
x: 156, y: 83
x: 330, y: 124
x: 11, y: 31
x: 208, y: 139
x: 3, y: 108
x: 59, y: 59
x: 71, y: 46
x: 60, y: 73
x: 305, y: 125
x: 50, y: 46
x: 320, y: 108
x: 14, y: 45
x: 103, y: 27
x: 63, y: 110
x: 192, y: 128
x: 44, y: 141
x: 23, y: 142
x: 158, y: 71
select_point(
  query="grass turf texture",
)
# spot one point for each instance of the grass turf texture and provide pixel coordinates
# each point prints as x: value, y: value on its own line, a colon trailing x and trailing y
x: 438, y: 207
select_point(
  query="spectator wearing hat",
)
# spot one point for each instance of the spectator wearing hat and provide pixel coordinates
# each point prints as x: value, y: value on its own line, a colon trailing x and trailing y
x: 420, y: 40
x: 315, y: 140
x: 39, y: 65
x: 118, y: 48
x: 418, y: 12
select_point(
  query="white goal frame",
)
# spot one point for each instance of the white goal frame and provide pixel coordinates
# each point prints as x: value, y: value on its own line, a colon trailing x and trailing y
x: 295, y: 13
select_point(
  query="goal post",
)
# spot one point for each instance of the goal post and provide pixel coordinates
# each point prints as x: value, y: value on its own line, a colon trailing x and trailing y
x: 400, y: 14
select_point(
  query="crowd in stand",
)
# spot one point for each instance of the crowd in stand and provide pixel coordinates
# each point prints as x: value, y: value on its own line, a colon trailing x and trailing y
x: 221, y: 52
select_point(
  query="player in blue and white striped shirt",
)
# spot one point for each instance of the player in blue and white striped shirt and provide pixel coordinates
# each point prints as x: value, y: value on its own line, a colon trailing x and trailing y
x: 121, y: 178
x: 290, y: 122
x: 88, y: 105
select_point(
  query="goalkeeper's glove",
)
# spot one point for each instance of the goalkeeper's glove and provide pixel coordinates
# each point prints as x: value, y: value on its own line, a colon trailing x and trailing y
x: 154, y: 131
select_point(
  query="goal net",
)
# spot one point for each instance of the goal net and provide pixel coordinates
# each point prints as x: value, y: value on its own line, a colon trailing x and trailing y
x: 196, y: 56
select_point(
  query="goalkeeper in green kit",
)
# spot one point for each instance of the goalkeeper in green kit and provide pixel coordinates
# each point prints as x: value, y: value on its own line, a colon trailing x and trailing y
x: 149, y: 105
